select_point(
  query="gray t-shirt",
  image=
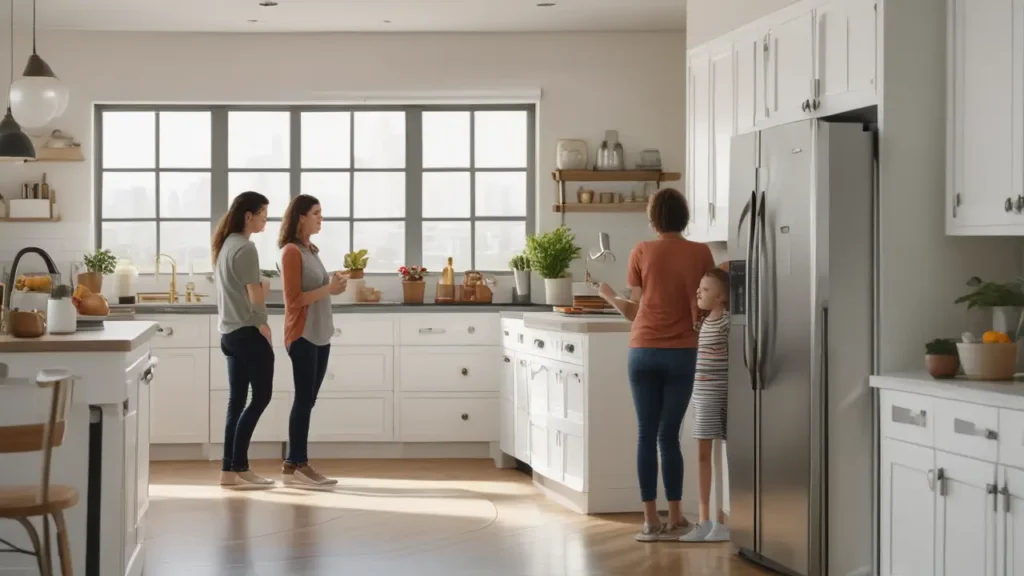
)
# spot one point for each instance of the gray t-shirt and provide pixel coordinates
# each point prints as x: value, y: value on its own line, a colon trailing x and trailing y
x: 319, y: 327
x: 238, y: 265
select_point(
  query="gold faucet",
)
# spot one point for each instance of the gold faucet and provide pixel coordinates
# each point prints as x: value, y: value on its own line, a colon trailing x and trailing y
x: 172, y: 294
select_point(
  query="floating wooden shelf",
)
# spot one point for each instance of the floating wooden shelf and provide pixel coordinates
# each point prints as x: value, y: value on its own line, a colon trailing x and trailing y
x: 614, y: 176
x: 71, y: 154
x: 57, y: 219
x: 608, y: 207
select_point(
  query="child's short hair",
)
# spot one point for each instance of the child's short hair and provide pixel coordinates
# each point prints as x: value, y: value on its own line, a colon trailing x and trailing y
x: 722, y: 277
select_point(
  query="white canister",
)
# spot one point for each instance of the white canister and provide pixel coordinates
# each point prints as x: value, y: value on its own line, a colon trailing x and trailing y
x: 61, y: 316
x: 125, y: 275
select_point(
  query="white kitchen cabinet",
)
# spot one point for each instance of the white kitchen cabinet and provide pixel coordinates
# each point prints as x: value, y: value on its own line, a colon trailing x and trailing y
x: 791, y: 68
x: 908, y: 510
x: 351, y: 417
x: 711, y: 111
x: 352, y: 369
x: 132, y: 540
x: 985, y: 116
x: 180, y: 397
x: 723, y: 128
x: 450, y: 418
x: 965, y: 516
x: 845, y: 56
x: 272, y: 425
x: 749, y: 66
x: 698, y: 128
x: 1010, y: 523
x: 450, y: 369
x: 507, y: 439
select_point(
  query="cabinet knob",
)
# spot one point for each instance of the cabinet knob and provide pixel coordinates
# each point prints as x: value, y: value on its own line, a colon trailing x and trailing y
x: 806, y: 106
x: 570, y: 348
x: 465, y: 416
x: 1008, y: 205
x: 465, y: 371
x: 505, y: 332
x: 816, y: 104
x: 507, y: 360
x: 168, y: 331
x: 1018, y: 206
x: 538, y: 343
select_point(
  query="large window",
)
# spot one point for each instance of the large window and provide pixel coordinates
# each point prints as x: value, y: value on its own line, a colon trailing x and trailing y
x: 412, y: 185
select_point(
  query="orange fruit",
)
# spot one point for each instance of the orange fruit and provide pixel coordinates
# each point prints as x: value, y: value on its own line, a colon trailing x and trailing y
x: 993, y: 337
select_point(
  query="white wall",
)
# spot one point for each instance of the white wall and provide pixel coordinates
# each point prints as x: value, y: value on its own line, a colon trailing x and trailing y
x: 590, y: 82
x: 709, y: 19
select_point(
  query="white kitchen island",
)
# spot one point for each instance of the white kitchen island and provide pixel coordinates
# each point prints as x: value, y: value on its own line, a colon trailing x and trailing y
x: 105, y: 454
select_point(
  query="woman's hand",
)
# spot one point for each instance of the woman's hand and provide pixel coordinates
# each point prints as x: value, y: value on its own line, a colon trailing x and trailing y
x: 265, y: 330
x: 338, y: 283
x: 607, y: 292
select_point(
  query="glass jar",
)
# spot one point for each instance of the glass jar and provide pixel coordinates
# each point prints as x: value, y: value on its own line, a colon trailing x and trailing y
x: 125, y: 275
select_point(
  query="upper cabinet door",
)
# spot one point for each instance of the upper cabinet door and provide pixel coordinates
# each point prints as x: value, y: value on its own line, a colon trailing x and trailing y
x: 723, y: 127
x: 791, y: 69
x: 699, y: 156
x: 985, y: 130
x: 845, y: 56
x: 749, y: 68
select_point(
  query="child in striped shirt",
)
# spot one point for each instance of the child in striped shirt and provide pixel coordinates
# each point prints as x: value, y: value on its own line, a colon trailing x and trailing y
x: 710, y: 393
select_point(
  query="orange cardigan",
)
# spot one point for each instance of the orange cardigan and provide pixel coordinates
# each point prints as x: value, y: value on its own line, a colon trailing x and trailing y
x: 295, y: 306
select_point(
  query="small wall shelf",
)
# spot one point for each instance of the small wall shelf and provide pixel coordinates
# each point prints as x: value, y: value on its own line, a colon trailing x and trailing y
x: 614, y: 176
x: 605, y: 208
x: 70, y: 154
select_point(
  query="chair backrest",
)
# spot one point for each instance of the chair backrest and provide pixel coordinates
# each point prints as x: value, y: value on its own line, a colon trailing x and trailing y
x: 39, y: 436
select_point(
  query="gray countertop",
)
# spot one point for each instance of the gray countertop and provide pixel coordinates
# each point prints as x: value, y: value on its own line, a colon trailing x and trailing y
x: 382, y: 307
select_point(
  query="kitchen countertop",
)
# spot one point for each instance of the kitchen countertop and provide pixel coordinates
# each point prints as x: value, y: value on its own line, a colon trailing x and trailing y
x: 592, y: 324
x: 1007, y: 394
x: 115, y: 337
x: 380, y: 307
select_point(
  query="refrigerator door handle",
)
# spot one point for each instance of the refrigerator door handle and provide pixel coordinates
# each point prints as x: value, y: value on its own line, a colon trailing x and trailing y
x: 761, y: 340
x: 749, y: 345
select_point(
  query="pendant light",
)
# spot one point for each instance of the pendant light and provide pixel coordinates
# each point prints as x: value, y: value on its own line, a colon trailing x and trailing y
x: 14, y: 144
x: 38, y: 96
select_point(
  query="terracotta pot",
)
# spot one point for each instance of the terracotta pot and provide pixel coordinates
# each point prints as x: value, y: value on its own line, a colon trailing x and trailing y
x: 355, y: 274
x: 91, y: 280
x: 941, y: 367
x: 412, y: 291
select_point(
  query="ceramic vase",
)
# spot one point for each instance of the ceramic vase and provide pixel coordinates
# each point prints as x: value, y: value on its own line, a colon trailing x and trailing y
x: 572, y: 155
x: 558, y: 291
x: 522, y: 281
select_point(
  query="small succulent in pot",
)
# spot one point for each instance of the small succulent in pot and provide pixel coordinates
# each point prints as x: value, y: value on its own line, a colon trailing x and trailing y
x: 941, y: 359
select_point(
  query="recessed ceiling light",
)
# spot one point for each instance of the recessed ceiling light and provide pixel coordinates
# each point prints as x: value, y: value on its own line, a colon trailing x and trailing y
x: 545, y: 4
x: 268, y: 3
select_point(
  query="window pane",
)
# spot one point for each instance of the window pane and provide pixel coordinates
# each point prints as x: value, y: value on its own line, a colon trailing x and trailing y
x: 446, y: 139
x: 333, y: 243
x: 380, y: 139
x: 331, y: 189
x: 258, y: 139
x: 500, y: 139
x: 185, y: 139
x: 184, y: 195
x: 497, y: 242
x: 325, y: 139
x: 129, y: 140
x: 135, y: 240
x: 501, y: 193
x: 129, y: 195
x: 276, y: 186
x: 442, y: 240
x: 379, y: 195
x: 188, y: 243
x: 385, y: 242
x: 266, y: 245
x: 446, y: 194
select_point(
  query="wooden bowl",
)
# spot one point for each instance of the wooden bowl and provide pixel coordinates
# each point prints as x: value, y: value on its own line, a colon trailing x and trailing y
x: 988, y: 361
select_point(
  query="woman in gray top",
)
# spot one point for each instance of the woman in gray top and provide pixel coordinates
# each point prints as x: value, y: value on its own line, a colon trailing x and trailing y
x: 245, y: 335
x: 308, y: 328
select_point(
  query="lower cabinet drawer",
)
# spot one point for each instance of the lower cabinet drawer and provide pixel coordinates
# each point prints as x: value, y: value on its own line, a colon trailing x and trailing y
x: 450, y: 369
x: 272, y: 426
x: 449, y: 419
x: 967, y: 429
x: 352, y: 419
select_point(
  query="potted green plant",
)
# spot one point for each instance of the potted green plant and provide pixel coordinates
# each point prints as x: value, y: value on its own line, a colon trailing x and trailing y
x: 98, y: 264
x: 550, y: 255
x: 941, y: 358
x: 355, y: 263
x: 520, y: 265
x: 1005, y: 299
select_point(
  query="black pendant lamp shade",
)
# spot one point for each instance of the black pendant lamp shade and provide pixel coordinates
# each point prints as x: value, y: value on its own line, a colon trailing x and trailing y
x: 37, y: 67
x: 14, y: 144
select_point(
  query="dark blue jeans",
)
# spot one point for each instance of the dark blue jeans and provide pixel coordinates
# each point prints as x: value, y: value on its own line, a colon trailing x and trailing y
x: 250, y: 363
x: 309, y: 366
x: 661, y: 380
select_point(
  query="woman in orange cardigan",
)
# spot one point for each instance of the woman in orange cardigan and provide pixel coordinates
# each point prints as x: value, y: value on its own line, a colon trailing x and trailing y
x: 308, y: 327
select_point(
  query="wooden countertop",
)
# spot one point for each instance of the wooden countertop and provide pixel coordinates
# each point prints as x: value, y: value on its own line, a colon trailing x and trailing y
x: 119, y: 336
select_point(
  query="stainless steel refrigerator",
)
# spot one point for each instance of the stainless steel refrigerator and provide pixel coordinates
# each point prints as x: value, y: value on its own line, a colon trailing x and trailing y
x: 802, y: 265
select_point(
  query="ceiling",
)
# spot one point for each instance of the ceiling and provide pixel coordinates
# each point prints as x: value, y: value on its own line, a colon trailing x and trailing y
x: 359, y: 15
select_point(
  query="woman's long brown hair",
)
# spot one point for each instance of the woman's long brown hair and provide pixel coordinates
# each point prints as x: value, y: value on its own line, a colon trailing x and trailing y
x: 233, y: 222
x: 298, y: 207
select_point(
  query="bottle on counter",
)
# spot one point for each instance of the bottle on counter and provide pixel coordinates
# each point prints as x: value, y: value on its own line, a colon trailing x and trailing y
x: 448, y: 274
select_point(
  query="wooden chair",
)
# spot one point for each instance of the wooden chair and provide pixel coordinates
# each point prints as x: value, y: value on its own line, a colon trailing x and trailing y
x: 21, y: 503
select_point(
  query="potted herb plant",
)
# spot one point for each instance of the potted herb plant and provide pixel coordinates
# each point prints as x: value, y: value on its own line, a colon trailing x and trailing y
x: 413, y: 284
x: 98, y: 264
x: 941, y: 358
x: 355, y: 263
x: 550, y: 255
x: 1005, y: 299
x: 520, y: 265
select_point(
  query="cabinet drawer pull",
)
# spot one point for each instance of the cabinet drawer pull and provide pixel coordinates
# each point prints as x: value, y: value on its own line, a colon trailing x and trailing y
x: 970, y: 429
x: 169, y: 331
x: 1005, y: 493
x: 465, y: 372
x: 570, y: 348
x: 507, y: 360
x: 505, y: 332
x: 465, y: 416
x: 903, y: 415
x: 471, y: 329
x: 991, y: 489
x: 431, y: 330
x: 538, y: 343
x: 522, y: 362
x: 940, y: 479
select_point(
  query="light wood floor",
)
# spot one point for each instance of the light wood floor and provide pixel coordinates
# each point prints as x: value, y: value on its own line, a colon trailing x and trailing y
x: 398, y: 517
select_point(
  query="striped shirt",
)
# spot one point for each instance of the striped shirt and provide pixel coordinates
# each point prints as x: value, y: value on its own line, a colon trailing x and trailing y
x: 711, y: 385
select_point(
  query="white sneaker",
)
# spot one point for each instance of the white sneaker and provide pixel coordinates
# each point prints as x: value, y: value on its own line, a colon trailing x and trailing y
x: 719, y: 533
x: 305, y: 475
x: 228, y: 478
x: 698, y: 534
x: 649, y: 533
x: 249, y: 479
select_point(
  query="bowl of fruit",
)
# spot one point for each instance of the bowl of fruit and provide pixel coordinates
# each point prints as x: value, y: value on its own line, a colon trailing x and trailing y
x: 994, y: 357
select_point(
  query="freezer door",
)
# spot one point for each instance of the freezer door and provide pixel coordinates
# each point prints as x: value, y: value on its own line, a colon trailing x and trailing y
x: 784, y: 316
x: 741, y: 425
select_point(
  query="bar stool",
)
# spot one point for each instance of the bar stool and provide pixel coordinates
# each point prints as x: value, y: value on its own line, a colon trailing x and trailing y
x: 21, y: 503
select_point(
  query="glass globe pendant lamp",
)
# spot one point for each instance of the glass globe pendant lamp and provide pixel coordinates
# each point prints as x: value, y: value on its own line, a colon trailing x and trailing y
x: 15, y: 145
x: 38, y: 96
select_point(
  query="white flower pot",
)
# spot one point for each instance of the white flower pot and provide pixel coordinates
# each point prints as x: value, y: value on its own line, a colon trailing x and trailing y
x: 522, y: 282
x: 1005, y: 319
x: 558, y: 291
